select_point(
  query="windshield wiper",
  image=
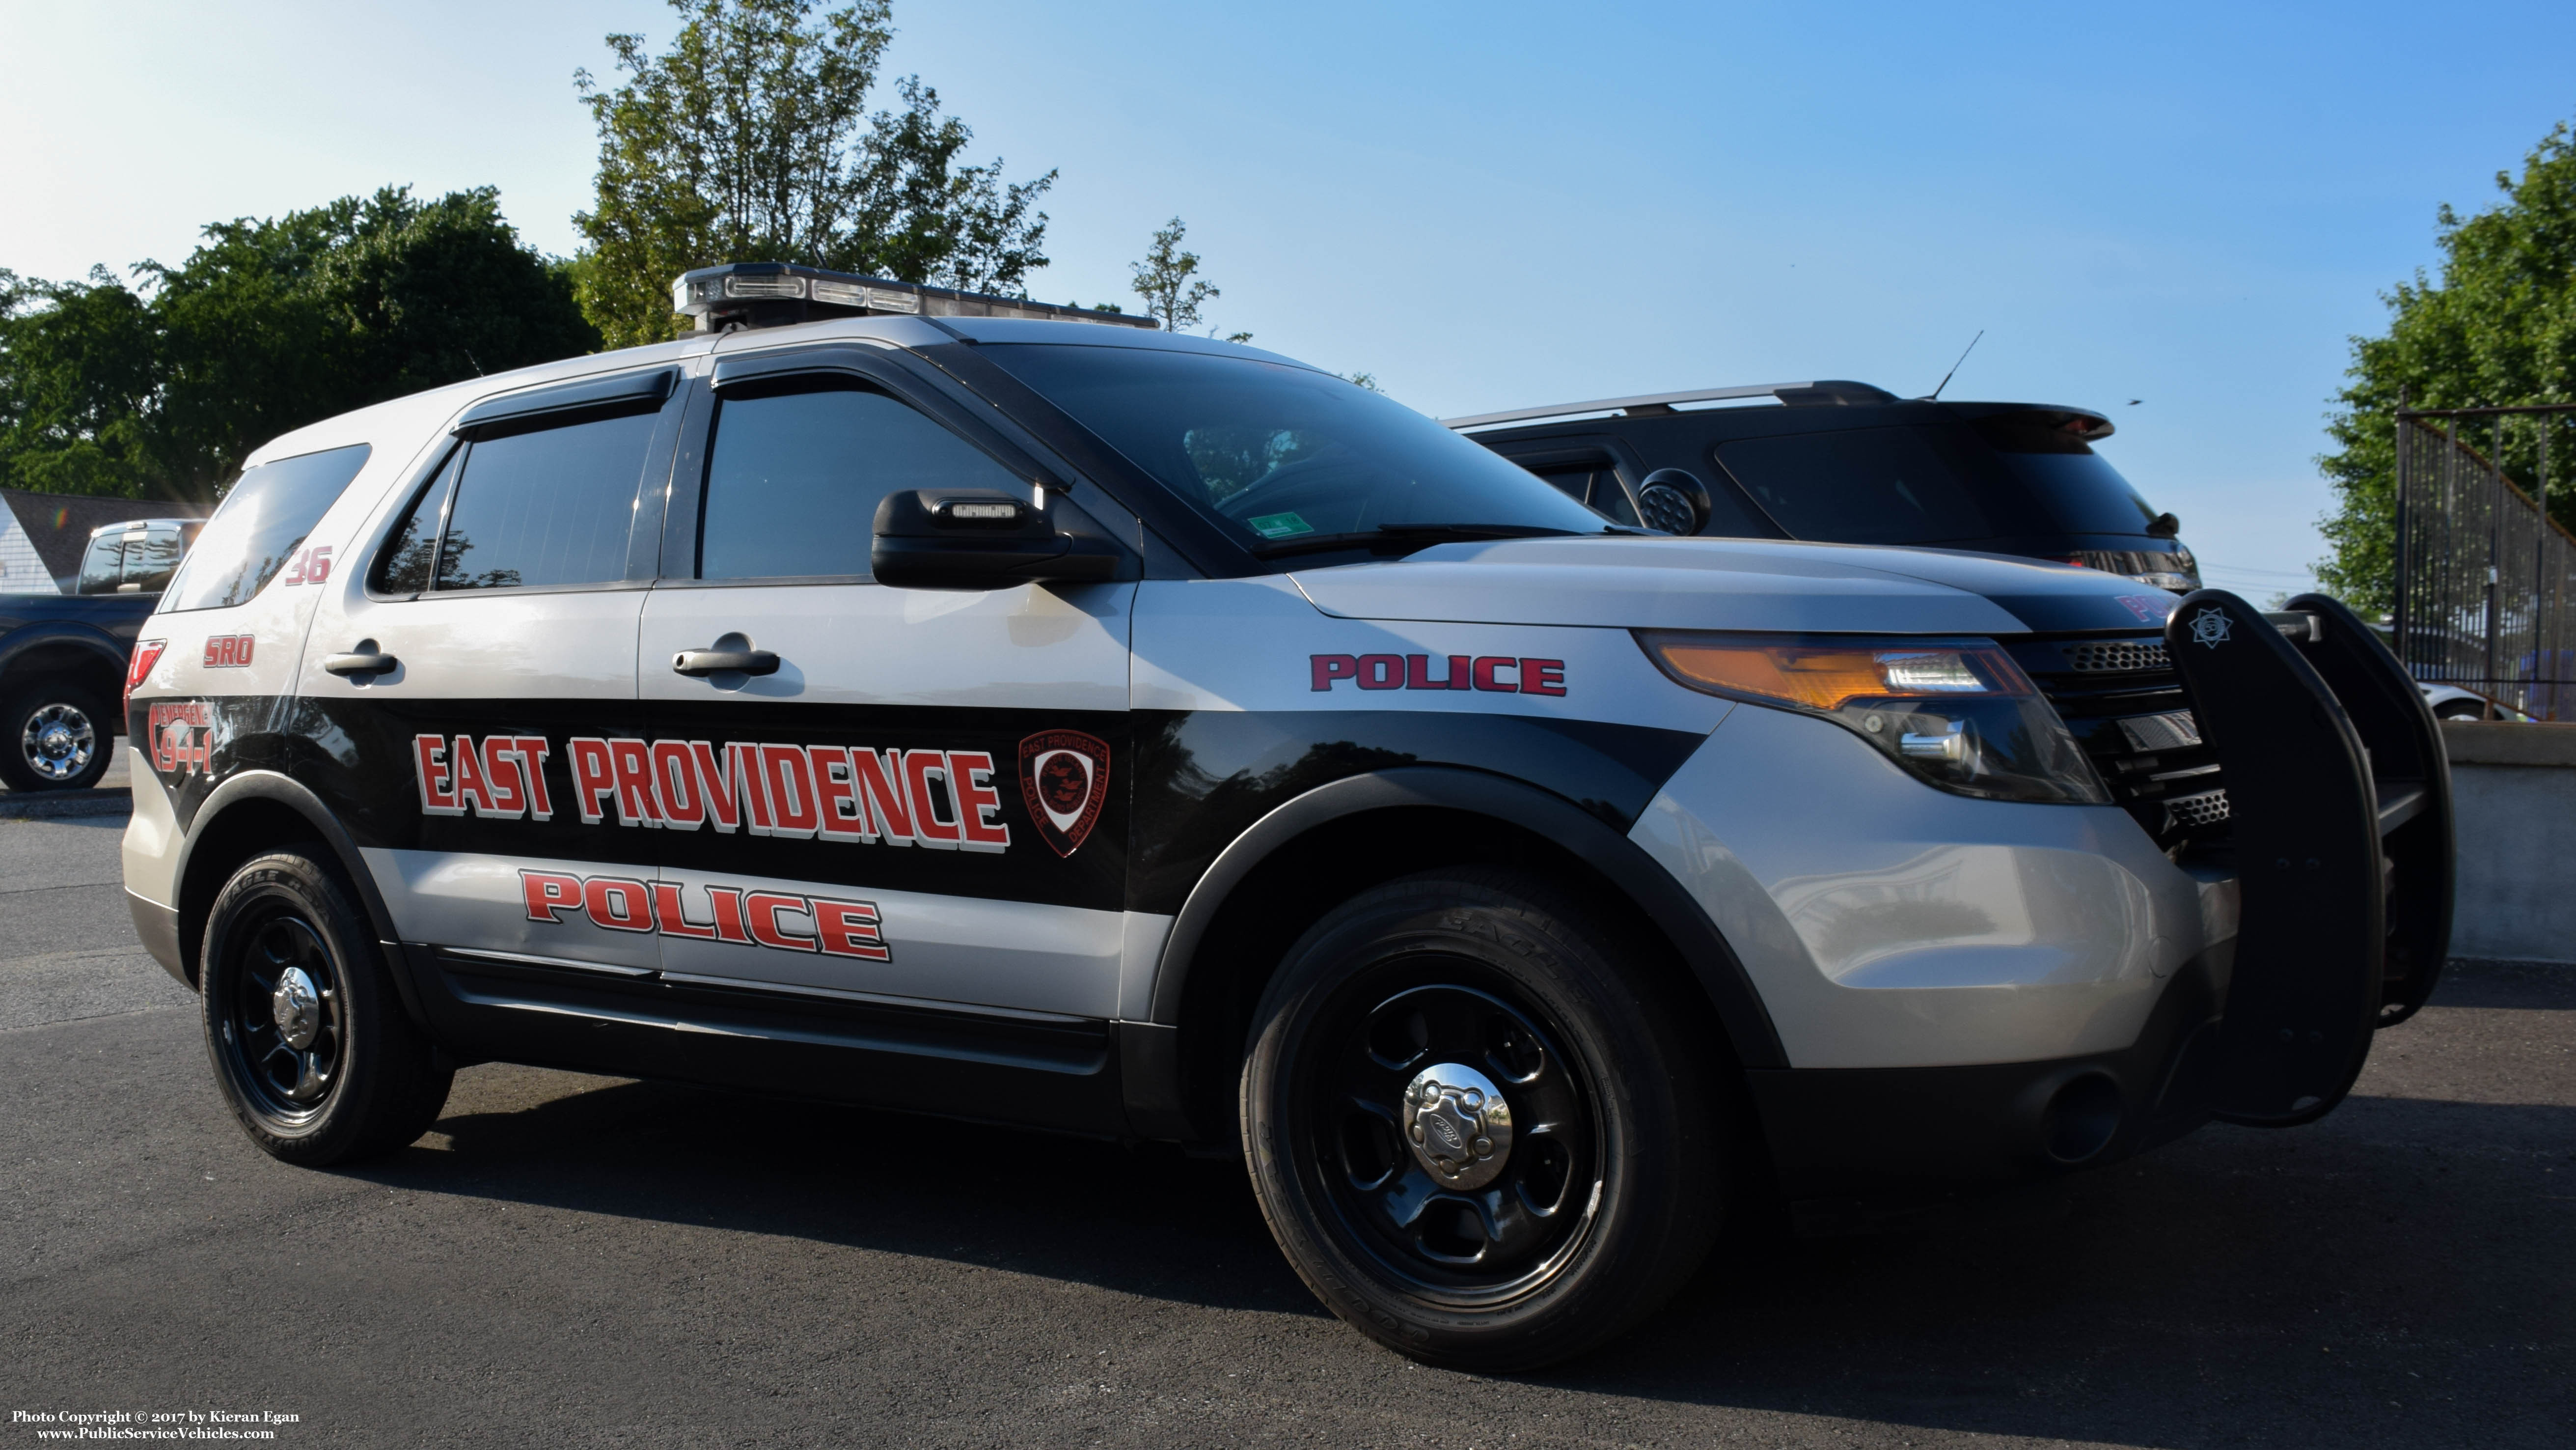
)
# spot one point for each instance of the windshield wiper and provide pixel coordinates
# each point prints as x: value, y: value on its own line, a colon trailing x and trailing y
x: 1405, y: 538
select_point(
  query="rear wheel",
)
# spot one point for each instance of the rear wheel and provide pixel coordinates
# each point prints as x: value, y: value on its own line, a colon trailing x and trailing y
x: 309, y: 1042
x: 1475, y: 1125
x: 54, y: 737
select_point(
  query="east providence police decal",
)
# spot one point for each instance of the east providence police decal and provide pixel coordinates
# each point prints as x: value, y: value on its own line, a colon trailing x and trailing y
x: 1064, y: 778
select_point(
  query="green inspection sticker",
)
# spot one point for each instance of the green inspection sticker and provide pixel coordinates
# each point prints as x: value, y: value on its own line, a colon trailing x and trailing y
x: 1279, y: 526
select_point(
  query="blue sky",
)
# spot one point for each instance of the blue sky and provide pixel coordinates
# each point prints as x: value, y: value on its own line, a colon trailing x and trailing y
x: 1494, y: 205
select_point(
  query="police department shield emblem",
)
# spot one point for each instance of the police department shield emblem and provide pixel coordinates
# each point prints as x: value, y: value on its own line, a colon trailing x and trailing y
x: 1064, y: 779
x: 2209, y: 627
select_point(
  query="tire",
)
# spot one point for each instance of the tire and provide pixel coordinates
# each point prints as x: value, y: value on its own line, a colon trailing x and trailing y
x: 1615, y: 1129
x: 2460, y: 710
x: 363, y: 1079
x: 54, y: 736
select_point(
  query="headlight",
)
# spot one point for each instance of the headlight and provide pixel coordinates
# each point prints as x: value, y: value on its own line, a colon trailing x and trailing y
x: 1958, y: 713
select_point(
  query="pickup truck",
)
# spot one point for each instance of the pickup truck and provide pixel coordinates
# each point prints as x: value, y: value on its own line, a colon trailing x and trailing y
x: 63, y: 656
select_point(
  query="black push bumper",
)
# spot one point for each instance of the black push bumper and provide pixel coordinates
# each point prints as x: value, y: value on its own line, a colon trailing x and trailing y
x: 2340, y: 810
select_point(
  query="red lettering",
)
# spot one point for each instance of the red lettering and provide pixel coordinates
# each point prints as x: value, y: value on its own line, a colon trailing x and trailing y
x: 1381, y: 672
x: 632, y: 763
x: 762, y: 907
x: 1328, y: 668
x: 294, y: 570
x: 717, y: 785
x: 742, y: 764
x: 790, y: 784
x: 532, y: 751
x: 618, y: 904
x: 501, y: 773
x: 437, y: 793
x: 1542, y: 677
x: 1486, y: 665
x: 668, y: 915
x: 927, y: 828
x: 844, y: 816
x: 549, y: 894
x: 880, y: 786
x: 849, y: 929
x: 726, y: 903
x: 470, y: 785
x: 318, y: 566
x: 1418, y: 673
x: 977, y: 802
x: 675, y: 780
x: 594, y: 779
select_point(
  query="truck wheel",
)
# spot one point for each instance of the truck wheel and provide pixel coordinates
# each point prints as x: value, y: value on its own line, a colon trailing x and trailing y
x: 54, y: 737
x: 310, y: 1043
x: 1475, y: 1124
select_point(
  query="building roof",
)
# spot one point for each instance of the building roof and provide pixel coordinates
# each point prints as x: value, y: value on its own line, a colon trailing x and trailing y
x: 58, y: 524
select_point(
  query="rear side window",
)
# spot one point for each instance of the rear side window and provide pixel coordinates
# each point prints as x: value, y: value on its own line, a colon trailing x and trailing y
x: 1591, y: 483
x: 529, y: 507
x: 1859, y: 486
x: 263, y: 521
x: 796, y: 471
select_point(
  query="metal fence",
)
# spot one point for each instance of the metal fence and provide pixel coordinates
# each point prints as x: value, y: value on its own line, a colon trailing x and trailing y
x: 2485, y: 580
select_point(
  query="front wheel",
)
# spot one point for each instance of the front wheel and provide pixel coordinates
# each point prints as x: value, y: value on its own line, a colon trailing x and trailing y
x: 310, y: 1044
x: 1475, y: 1124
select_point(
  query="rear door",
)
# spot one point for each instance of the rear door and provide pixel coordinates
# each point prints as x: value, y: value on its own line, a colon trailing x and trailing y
x: 923, y: 802
x: 451, y: 674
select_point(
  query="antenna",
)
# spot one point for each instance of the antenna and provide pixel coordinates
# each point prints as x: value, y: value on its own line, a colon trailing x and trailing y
x: 1935, y: 395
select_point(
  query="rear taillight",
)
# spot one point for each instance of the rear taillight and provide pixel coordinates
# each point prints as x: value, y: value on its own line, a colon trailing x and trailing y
x: 147, y: 653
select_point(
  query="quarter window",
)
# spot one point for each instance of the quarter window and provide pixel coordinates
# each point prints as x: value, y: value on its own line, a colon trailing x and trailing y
x: 797, y: 469
x: 263, y: 520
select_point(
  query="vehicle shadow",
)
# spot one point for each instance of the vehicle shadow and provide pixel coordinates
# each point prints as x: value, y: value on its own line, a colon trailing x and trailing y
x: 2400, y: 1274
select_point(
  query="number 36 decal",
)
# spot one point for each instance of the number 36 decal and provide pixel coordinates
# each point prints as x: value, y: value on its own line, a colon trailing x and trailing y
x: 309, y: 566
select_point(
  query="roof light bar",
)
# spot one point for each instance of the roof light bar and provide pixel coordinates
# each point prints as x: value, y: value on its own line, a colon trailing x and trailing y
x: 780, y: 294
x: 1827, y: 392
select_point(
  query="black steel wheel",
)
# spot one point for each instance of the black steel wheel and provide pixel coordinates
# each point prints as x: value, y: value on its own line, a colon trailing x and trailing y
x: 1477, y: 1122
x: 54, y: 737
x: 308, y: 1038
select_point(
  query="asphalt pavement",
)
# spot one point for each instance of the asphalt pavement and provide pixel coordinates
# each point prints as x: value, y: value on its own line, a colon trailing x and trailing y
x: 582, y: 1261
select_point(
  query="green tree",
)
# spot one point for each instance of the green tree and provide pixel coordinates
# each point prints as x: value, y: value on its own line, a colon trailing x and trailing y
x: 161, y: 388
x: 1169, y: 282
x: 751, y: 140
x: 2499, y: 327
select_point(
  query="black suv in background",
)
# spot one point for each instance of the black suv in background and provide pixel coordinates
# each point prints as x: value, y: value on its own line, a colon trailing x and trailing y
x: 1847, y: 463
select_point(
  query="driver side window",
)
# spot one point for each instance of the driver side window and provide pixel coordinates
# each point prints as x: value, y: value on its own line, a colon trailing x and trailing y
x: 796, y: 469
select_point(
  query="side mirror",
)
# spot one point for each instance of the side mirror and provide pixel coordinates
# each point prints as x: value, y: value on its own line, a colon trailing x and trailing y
x: 1672, y: 500
x: 979, y: 539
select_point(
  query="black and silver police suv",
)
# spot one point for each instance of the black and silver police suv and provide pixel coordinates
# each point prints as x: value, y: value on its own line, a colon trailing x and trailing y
x: 950, y: 704
x: 1847, y: 463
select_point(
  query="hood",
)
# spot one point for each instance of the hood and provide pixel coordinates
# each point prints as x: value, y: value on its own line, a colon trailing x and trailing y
x: 1749, y: 584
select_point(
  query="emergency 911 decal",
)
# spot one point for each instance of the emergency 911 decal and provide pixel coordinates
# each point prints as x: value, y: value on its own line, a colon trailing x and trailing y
x: 944, y: 800
x: 779, y: 920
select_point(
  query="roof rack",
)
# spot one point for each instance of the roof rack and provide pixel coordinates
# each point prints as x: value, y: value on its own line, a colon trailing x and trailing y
x: 1829, y: 392
x: 781, y: 294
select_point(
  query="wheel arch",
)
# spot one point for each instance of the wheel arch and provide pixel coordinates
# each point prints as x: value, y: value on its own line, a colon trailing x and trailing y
x: 88, y: 656
x: 1343, y: 837
x: 252, y: 812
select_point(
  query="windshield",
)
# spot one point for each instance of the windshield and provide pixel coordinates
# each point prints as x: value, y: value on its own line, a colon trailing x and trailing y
x: 1283, y: 457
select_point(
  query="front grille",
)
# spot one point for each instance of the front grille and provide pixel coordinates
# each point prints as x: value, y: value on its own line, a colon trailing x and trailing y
x: 2124, y: 704
x: 2126, y: 657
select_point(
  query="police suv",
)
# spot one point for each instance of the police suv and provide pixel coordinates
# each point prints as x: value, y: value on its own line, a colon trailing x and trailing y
x: 894, y: 696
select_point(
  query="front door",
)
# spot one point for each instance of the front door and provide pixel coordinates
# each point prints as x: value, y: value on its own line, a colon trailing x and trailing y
x: 912, y: 799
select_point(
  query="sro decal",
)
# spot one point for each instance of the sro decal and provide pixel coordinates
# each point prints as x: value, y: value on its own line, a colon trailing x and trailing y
x: 939, y: 799
x: 1458, y: 672
x: 182, y: 736
x: 308, y: 566
x: 230, y: 651
x: 777, y: 920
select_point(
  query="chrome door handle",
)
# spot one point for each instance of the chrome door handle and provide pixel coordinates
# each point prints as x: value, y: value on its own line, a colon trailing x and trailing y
x: 359, y: 664
x: 712, y: 661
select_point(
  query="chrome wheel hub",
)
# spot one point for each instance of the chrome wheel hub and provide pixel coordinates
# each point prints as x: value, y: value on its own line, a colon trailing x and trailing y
x: 297, y: 1008
x: 58, y: 742
x: 1458, y: 1125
